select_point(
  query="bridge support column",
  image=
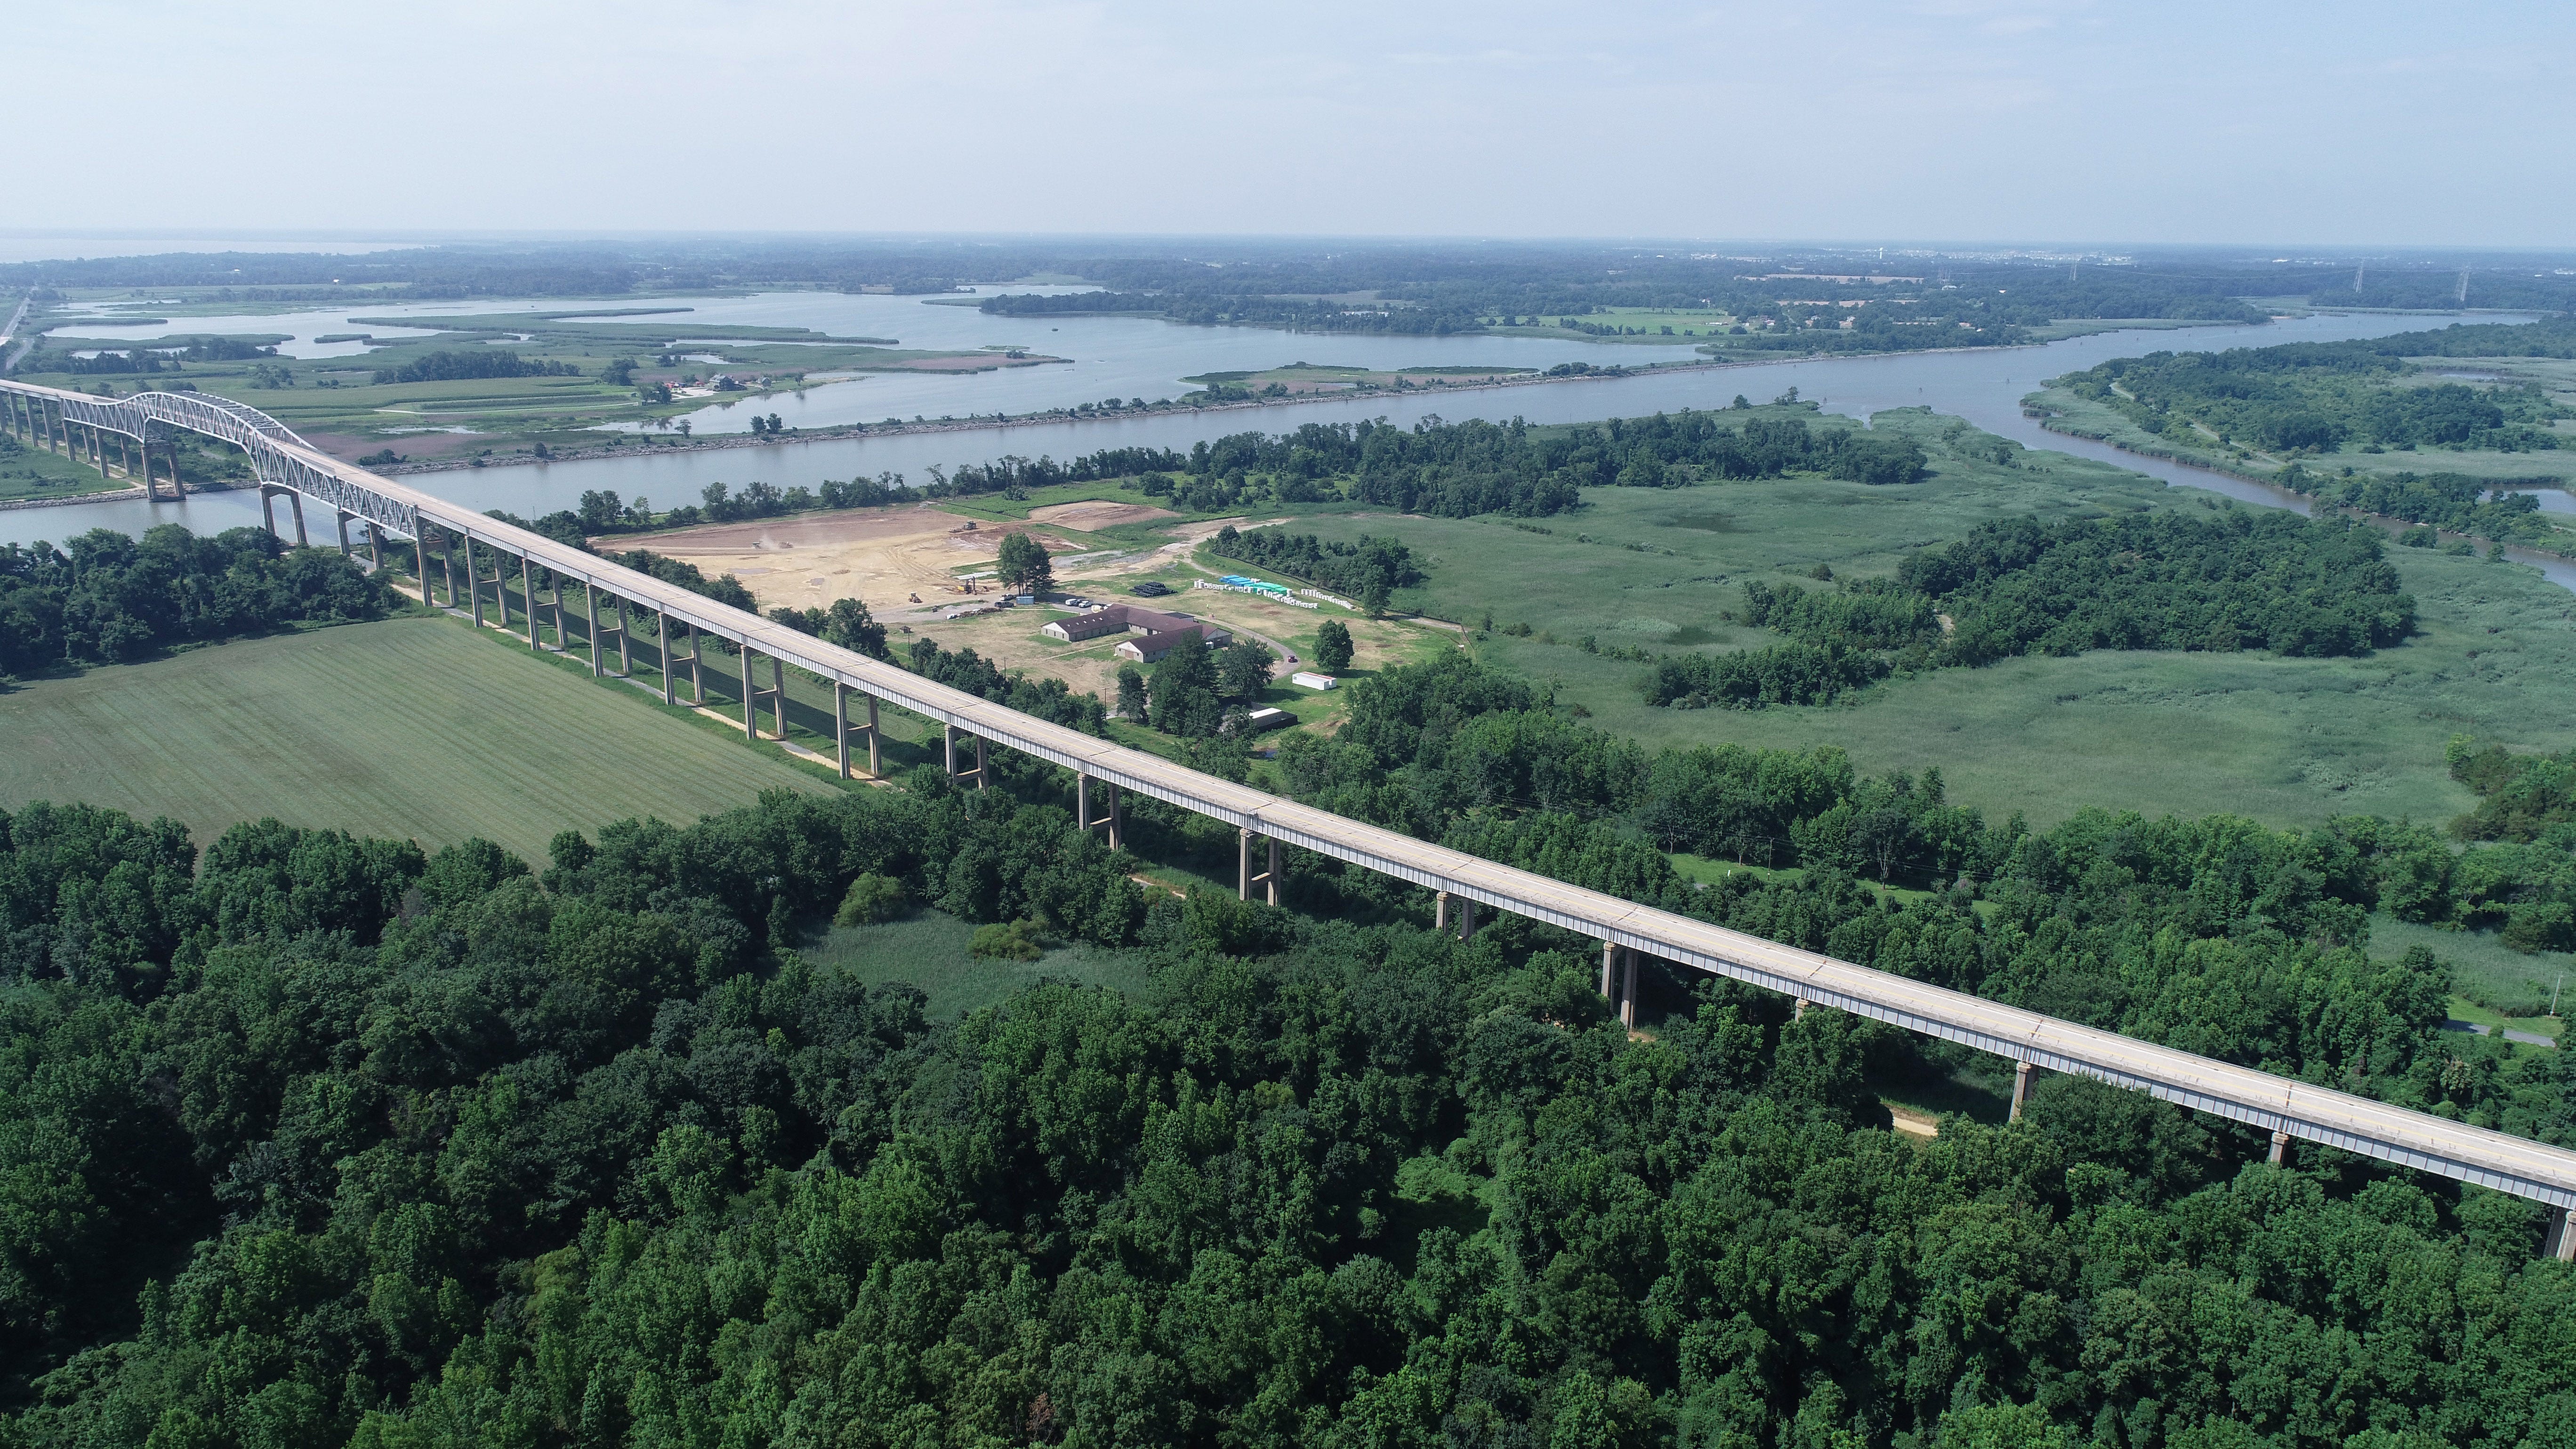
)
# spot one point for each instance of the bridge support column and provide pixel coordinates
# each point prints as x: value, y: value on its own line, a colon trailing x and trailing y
x: 1467, y: 927
x: 345, y: 516
x: 1798, y: 1009
x: 876, y: 746
x: 527, y: 595
x: 778, y: 701
x: 420, y: 562
x: 447, y: 565
x: 294, y: 504
x: 750, y: 697
x: 625, y: 643
x: 375, y: 547
x: 2021, y: 1089
x: 1440, y: 912
x: 1115, y: 820
x: 1267, y: 878
x: 1609, y: 969
x: 841, y: 727
x: 948, y: 736
x: 2280, y: 1147
x: 2560, y: 1242
x: 697, y: 673
x: 590, y: 607
x: 1628, y: 994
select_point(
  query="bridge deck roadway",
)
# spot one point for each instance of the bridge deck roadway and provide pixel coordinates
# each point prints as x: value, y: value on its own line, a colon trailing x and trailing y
x: 2312, y: 1113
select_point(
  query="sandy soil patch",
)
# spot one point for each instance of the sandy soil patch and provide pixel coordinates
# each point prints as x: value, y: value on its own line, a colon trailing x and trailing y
x: 892, y: 559
x: 1097, y: 514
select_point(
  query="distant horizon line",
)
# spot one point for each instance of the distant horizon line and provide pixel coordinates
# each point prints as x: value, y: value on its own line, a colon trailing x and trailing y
x: 440, y: 236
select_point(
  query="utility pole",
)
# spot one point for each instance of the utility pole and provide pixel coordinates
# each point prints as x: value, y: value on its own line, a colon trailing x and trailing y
x: 2464, y: 287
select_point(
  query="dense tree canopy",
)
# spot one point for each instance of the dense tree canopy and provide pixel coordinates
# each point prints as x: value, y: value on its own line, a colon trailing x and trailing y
x: 108, y: 596
x: 321, y: 1140
x: 2317, y: 396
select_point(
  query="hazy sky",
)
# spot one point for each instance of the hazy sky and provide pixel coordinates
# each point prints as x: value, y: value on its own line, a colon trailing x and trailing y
x: 2335, y: 122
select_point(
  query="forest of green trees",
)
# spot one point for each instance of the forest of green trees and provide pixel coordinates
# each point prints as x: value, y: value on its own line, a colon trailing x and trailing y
x: 2237, y: 579
x: 108, y: 597
x: 317, y: 1140
x: 2314, y: 397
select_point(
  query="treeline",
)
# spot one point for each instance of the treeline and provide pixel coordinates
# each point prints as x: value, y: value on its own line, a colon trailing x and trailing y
x: 1049, y: 699
x: 2235, y: 579
x: 53, y: 359
x: 1425, y: 292
x: 2454, y: 502
x: 1369, y: 570
x: 448, y: 365
x: 2318, y: 396
x: 109, y: 597
x: 1432, y: 749
x: 2241, y: 579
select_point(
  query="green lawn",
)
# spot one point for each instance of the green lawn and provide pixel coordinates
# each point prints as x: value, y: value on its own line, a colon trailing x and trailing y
x: 2287, y: 741
x: 406, y: 727
x: 29, y: 470
x: 2485, y: 971
x: 928, y: 949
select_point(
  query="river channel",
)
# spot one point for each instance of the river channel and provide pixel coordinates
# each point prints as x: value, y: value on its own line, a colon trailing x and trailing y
x: 1985, y: 386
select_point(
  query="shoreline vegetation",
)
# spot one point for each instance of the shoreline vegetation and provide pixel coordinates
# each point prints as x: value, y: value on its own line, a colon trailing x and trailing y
x: 2056, y: 422
x: 842, y: 432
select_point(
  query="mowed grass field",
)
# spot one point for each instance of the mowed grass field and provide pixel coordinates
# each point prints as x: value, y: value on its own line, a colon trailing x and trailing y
x: 2285, y: 741
x: 408, y: 727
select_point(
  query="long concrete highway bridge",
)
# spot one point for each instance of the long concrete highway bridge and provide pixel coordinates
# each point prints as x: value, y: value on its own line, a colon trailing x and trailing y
x: 456, y: 537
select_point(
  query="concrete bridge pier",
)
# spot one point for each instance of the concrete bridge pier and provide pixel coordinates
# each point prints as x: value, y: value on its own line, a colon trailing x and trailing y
x: 1246, y: 878
x: 2559, y: 1241
x: 1619, y: 981
x: 2280, y: 1147
x: 1115, y: 820
x: 268, y: 495
x: 841, y: 731
x: 1466, y: 915
x: 671, y: 666
x: 751, y: 695
x: 2021, y: 1089
x: 948, y: 738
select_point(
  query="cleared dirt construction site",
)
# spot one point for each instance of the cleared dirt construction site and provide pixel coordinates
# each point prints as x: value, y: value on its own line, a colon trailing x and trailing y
x: 879, y: 556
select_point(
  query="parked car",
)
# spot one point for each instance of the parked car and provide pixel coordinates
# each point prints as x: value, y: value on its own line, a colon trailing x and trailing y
x: 1150, y: 589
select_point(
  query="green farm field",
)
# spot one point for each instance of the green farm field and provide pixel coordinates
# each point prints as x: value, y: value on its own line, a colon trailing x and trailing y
x: 407, y: 727
x: 2282, y: 740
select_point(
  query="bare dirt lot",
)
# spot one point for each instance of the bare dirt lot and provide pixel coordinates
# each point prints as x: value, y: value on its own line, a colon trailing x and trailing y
x: 1098, y: 513
x: 883, y: 557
